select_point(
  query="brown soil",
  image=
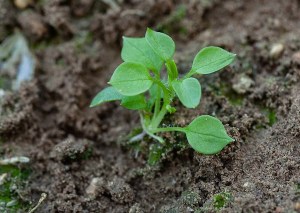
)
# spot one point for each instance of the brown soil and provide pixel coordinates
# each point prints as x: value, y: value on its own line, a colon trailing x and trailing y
x: 78, y: 155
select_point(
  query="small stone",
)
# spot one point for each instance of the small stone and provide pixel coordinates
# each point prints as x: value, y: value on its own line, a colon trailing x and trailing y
x: 246, y: 184
x: 120, y: 191
x: 96, y: 187
x: 297, y: 206
x: 276, y: 50
x: 296, y: 57
x: 22, y: 4
x: 242, y: 84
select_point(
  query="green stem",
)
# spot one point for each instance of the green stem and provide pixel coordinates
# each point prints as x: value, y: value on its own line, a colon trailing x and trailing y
x: 156, y: 120
x: 159, y: 83
x: 157, y: 106
x: 148, y: 132
x: 158, y: 99
x: 168, y: 129
x: 189, y: 74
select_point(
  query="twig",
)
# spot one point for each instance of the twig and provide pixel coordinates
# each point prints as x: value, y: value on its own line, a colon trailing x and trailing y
x: 43, y: 197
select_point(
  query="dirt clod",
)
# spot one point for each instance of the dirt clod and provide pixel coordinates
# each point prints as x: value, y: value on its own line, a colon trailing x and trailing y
x: 120, y: 191
x: 136, y: 208
x: 71, y: 149
x: 33, y: 25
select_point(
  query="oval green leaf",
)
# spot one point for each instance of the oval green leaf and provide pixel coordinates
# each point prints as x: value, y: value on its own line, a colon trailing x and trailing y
x: 188, y: 92
x: 161, y: 43
x: 136, y: 102
x: 207, y: 135
x: 106, y: 95
x: 211, y: 59
x: 139, y: 51
x: 131, y: 79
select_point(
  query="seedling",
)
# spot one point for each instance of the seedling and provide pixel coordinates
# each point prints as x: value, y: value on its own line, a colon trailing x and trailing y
x: 221, y: 200
x: 139, y: 85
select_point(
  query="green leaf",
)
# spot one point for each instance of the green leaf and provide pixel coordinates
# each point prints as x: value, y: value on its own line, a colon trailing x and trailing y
x: 134, y: 102
x: 211, y: 59
x: 161, y: 43
x: 131, y: 79
x: 207, y: 135
x: 106, y: 95
x: 188, y: 92
x: 139, y: 51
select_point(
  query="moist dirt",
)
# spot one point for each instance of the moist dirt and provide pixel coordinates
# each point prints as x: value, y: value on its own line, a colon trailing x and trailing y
x: 80, y: 156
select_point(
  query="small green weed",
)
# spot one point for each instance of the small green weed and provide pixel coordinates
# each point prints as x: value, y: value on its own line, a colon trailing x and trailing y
x: 12, y: 179
x: 139, y: 85
x: 221, y: 200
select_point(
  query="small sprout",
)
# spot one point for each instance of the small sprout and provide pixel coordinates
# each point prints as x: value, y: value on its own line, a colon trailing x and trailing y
x: 13, y: 179
x: 221, y: 200
x: 138, y: 84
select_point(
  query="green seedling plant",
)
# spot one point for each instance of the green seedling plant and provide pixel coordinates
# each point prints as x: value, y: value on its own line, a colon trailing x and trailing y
x: 140, y: 85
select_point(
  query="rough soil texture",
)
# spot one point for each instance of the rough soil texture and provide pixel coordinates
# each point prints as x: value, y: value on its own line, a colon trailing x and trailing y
x: 78, y: 156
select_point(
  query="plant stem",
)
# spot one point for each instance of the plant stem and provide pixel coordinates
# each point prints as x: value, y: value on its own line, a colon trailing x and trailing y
x: 159, y: 83
x: 157, y: 101
x: 146, y: 130
x: 138, y: 137
x: 156, y: 120
x: 189, y: 74
x: 168, y: 129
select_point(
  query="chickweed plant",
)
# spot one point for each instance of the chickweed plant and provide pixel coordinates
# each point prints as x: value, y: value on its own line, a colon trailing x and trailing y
x: 140, y: 85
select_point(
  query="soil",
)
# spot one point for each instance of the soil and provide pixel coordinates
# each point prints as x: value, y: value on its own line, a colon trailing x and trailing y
x: 79, y: 156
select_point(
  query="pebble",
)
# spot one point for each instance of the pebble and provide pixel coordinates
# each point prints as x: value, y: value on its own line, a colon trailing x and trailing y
x: 246, y: 184
x: 242, y: 84
x: 297, y: 206
x: 276, y: 50
x: 96, y: 187
x: 296, y: 57
x: 22, y: 4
